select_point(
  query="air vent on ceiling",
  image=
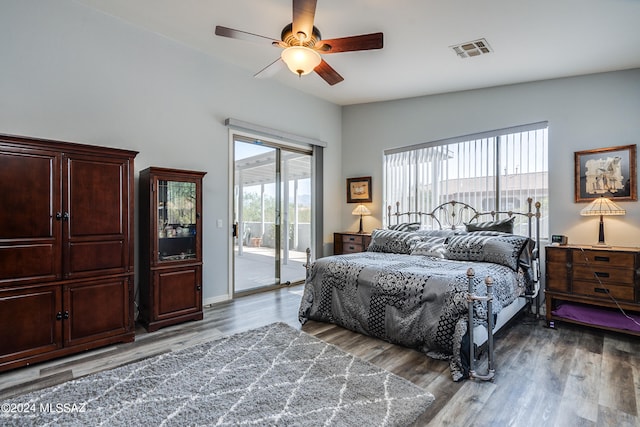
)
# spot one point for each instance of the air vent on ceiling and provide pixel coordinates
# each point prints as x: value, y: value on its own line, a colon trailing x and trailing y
x: 473, y: 48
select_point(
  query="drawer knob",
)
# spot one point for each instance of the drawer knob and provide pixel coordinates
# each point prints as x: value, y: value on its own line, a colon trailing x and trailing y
x: 600, y: 274
x: 601, y: 290
x: 601, y: 258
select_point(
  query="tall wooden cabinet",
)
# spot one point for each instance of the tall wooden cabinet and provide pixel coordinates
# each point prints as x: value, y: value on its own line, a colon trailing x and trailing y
x: 170, y: 247
x: 66, y: 248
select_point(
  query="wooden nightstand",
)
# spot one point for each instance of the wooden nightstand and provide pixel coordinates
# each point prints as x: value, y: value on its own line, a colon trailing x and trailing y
x: 348, y: 243
x: 593, y: 276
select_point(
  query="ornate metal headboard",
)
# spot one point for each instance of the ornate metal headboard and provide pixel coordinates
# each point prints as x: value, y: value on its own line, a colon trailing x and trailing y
x: 454, y: 215
x: 449, y: 215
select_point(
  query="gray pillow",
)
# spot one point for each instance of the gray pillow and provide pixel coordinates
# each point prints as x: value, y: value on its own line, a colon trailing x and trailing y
x: 504, y: 249
x: 405, y: 226
x: 432, y: 247
x: 391, y: 241
x: 502, y: 225
x: 428, y: 234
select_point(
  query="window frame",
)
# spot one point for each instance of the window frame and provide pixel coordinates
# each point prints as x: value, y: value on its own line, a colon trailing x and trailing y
x: 495, y: 139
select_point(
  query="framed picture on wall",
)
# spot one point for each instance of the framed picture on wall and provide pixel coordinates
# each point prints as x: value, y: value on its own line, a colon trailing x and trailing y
x: 359, y: 190
x: 608, y: 172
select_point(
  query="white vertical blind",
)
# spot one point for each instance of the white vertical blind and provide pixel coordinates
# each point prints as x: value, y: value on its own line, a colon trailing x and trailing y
x: 495, y: 170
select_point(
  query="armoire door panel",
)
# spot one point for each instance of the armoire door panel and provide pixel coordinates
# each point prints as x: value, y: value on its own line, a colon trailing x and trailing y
x: 31, y: 230
x: 96, y: 310
x: 28, y: 323
x: 87, y: 257
x: 96, y: 197
x: 27, y: 188
x: 34, y: 262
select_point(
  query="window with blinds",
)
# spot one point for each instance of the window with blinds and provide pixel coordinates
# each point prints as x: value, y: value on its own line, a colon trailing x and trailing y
x: 495, y: 170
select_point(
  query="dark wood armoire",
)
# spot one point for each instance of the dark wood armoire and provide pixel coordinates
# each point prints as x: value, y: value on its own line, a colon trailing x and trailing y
x: 66, y: 248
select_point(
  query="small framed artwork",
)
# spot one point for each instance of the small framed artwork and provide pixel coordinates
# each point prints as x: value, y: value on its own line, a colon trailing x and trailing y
x: 359, y: 190
x: 608, y: 172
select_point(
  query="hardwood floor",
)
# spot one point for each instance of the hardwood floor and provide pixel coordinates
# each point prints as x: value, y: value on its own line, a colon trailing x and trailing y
x: 569, y: 376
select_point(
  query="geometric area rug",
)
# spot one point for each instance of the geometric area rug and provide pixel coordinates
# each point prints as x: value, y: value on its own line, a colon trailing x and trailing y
x: 271, y: 376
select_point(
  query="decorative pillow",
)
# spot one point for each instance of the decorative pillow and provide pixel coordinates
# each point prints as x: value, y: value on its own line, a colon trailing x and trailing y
x: 429, y: 234
x: 391, y: 241
x: 405, y: 226
x: 433, y: 247
x: 502, y: 225
x: 502, y: 249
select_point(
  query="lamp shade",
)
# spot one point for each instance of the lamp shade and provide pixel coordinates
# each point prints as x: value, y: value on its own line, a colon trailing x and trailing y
x: 361, y: 210
x: 301, y: 60
x: 602, y: 206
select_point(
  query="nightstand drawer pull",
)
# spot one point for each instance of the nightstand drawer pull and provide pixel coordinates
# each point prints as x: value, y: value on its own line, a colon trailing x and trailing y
x: 601, y: 290
x: 351, y: 238
x: 601, y: 258
x: 352, y: 247
x: 600, y: 274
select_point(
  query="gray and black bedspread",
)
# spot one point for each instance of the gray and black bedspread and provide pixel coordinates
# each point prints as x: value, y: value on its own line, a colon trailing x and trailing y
x: 415, y: 301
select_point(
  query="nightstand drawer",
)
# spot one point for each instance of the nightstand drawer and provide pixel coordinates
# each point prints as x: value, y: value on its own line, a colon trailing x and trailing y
x: 348, y: 243
x: 597, y: 290
x: 614, y: 276
x: 350, y: 248
x: 347, y: 238
x: 556, y: 254
x: 599, y: 259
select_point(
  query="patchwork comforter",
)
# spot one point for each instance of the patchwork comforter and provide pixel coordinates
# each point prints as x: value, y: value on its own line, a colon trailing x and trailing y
x: 412, y: 300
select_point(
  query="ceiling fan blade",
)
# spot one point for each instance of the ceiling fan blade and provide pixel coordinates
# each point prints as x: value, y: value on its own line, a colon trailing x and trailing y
x: 329, y: 75
x: 350, y: 44
x: 304, y: 12
x: 270, y: 70
x: 243, y: 35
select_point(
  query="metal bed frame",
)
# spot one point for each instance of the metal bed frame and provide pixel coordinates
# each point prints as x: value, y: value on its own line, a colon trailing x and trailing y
x: 453, y: 215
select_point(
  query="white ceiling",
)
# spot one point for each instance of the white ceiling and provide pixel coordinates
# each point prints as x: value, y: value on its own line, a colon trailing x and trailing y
x: 532, y: 40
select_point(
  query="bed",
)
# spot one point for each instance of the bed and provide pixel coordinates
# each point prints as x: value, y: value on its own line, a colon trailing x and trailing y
x: 414, y: 286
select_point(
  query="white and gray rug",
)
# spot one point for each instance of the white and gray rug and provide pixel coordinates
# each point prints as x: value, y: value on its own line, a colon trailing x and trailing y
x: 274, y: 375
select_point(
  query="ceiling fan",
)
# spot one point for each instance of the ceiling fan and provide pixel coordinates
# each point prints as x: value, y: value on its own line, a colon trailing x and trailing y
x: 303, y: 44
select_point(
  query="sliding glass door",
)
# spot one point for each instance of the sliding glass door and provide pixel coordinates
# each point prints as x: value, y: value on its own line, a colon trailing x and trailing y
x: 272, y: 214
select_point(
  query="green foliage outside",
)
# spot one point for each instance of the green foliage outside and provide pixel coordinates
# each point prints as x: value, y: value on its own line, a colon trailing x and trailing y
x: 252, y: 209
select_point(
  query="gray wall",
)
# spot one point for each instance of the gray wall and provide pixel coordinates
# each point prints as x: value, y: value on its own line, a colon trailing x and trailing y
x: 70, y: 73
x: 594, y: 111
x: 74, y: 74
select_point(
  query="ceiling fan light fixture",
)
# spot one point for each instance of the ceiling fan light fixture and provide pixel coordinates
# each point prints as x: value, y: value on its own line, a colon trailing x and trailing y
x: 301, y: 60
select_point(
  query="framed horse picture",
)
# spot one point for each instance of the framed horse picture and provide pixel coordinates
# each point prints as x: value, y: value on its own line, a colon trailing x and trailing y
x: 609, y: 172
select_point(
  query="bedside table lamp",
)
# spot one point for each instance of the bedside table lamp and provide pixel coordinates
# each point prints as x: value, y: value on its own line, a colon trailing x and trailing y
x: 361, y: 210
x: 602, y: 206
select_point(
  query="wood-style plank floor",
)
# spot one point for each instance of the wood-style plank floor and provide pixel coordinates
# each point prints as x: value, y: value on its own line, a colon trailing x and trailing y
x: 570, y: 376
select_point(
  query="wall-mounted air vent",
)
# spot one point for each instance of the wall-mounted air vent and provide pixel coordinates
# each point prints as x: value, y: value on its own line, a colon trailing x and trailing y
x: 473, y: 48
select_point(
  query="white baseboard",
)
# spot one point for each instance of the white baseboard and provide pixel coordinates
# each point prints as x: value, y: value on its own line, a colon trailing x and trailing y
x: 214, y: 300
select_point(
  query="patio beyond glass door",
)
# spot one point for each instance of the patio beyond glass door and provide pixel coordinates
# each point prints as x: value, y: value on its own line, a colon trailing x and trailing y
x: 272, y: 211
